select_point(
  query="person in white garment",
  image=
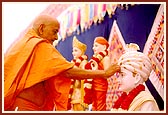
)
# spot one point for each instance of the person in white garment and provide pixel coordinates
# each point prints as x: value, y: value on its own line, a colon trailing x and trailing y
x: 135, y: 70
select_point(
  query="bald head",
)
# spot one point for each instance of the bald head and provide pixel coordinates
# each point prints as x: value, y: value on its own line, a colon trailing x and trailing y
x: 45, y: 20
x: 46, y: 27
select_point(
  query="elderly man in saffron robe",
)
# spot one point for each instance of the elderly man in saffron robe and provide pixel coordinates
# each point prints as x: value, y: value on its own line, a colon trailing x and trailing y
x: 36, y: 76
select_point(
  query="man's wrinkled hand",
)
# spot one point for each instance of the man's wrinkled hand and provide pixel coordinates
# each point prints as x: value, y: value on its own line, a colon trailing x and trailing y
x: 112, y: 70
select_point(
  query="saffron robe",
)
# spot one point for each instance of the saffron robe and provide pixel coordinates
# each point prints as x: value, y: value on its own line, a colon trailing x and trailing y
x: 99, y: 87
x: 30, y: 61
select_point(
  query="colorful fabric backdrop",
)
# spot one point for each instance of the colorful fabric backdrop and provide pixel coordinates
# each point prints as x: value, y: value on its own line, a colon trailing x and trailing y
x: 116, y: 48
x: 155, y: 49
x: 82, y: 16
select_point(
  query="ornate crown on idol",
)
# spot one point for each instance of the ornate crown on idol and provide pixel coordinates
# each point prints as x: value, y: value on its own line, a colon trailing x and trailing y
x: 78, y: 44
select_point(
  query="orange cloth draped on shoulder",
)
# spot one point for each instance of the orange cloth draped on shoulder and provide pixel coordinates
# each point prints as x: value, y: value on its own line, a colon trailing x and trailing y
x: 30, y: 61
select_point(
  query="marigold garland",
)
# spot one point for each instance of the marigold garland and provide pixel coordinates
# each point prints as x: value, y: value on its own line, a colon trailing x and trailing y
x: 77, y: 63
x: 79, y: 60
x: 88, y: 91
x: 96, y: 58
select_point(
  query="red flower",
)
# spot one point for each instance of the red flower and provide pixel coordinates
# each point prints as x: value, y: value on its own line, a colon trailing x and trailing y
x: 119, y: 101
x: 125, y: 100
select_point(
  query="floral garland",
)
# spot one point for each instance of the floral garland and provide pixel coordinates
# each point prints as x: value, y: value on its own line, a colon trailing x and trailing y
x: 125, y: 100
x: 96, y: 58
x: 79, y: 60
x: 77, y: 63
x: 88, y: 90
